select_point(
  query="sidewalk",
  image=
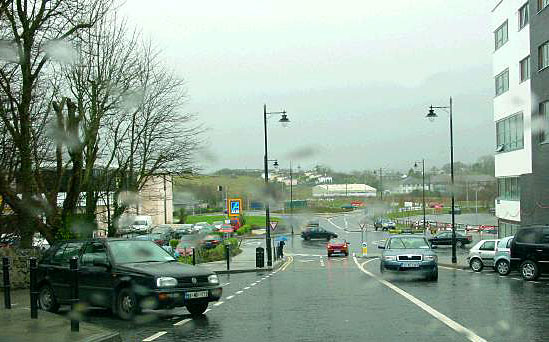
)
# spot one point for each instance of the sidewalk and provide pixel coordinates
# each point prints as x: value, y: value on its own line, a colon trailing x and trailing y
x: 446, y: 261
x: 17, y: 326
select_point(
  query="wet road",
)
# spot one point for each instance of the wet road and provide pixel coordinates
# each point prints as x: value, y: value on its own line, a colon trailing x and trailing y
x: 313, y: 298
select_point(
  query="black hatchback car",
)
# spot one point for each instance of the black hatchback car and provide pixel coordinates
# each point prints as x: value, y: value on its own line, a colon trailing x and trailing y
x: 125, y: 276
x: 445, y: 238
x: 317, y: 233
x: 530, y: 251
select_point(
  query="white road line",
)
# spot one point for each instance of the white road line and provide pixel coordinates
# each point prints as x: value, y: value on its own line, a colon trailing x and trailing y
x: 218, y: 303
x: 516, y: 278
x: 253, y: 284
x: 469, y: 334
x: 239, y: 292
x: 180, y: 323
x: 247, y: 288
x: 230, y: 297
x: 207, y: 310
x: 223, y: 285
x: 155, y: 336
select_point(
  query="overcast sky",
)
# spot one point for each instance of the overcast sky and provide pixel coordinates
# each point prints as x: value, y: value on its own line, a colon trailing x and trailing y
x: 356, y: 77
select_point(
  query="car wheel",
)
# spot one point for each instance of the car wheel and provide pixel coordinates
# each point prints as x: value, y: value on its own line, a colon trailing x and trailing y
x: 346, y: 253
x: 459, y: 244
x: 126, y: 304
x: 433, y: 276
x: 329, y: 255
x: 476, y: 264
x: 197, y: 309
x: 47, y: 300
x: 529, y: 270
x: 503, y: 267
x: 307, y: 238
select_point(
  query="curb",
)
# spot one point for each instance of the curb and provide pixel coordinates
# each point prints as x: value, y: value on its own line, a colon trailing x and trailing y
x: 458, y: 267
x: 251, y: 270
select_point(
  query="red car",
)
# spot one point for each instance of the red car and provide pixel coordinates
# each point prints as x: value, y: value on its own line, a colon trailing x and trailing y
x: 337, y: 246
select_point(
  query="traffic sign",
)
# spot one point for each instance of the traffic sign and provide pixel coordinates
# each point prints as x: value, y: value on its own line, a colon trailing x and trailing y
x: 273, y: 225
x: 362, y: 225
x: 235, y: 207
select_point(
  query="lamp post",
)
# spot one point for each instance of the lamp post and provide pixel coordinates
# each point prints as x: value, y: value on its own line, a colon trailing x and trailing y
x: 431, y: 116
x: 423, y: 189
x: 380, y: 182
x: 284, y: 121
x: 291, y: 199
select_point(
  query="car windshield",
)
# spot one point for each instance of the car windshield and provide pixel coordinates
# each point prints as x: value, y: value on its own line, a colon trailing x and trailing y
x: 337, y: 241
x: 132, y: 251
x: 140, y: 223
x: 408, y: 243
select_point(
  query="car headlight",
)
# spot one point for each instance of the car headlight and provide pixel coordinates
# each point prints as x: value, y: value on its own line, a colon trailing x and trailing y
x: 430, y: 257
x: 213, y: 279
x: 390, y: 257
x: 166, y: 282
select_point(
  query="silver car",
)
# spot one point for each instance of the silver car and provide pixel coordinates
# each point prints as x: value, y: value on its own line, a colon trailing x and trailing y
x: 502, y: 259
x: 482, y: 254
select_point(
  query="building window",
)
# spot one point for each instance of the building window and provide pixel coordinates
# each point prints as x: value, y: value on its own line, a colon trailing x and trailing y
x: 502, y: 82
x: 507, y: 229
x: 525, y: 69
x: 509, y: 189
x: 544, y: 116
x: 544, y: 55
x: 501, y: 36
x: 510, y: 133
x: 542, y: 4
x: 524, y: 16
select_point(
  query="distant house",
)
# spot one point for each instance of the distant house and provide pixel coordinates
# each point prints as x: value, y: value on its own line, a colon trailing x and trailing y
x: 441, y: 183
x: 343, y: 190
x: 410, y: 184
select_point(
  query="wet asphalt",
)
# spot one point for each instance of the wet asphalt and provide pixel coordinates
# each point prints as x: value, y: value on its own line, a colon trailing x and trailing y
x: 315, y: 298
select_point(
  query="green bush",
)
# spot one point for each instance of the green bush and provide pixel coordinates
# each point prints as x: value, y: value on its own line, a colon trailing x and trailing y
x: 174, y: 243
x: 214, y: 254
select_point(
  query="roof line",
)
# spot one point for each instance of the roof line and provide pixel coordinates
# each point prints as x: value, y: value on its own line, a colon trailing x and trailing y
x: 497, y: 5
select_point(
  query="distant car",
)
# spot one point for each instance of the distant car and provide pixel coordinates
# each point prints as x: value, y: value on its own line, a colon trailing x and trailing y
x: 125, y: 276
x: 482, y: 254
x: 160, y: 239
x: 347, y: 206
x: 317, y: 233
x: 384, y: 224
x: 313, y: 223
x: 185, y: 245
x: 337, y: 246
x: 445, y: 238
x: 436, y: 205
x: 199, y: 226
x: 141, y: 224
x: 218, y: 224
x: 457, y: 210
x: 211, y: 241
x: 530, y: 251
x: 502, y: 258
x: 181, y: 230
x: 409, y: 254
x: 488, y: 229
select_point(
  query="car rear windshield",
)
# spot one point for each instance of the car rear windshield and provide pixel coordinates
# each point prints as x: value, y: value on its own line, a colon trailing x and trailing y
x: 337, y: 241
x: 527, y: 236
x: 408, y: 242
x: 132, y: 251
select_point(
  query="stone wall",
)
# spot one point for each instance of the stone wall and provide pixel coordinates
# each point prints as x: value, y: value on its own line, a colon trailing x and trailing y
x: 19, y: 266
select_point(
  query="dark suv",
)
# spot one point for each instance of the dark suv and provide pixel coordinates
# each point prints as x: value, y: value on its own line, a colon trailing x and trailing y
x: 530, y: 251
x: 317, y: 233
x: 125, y: 276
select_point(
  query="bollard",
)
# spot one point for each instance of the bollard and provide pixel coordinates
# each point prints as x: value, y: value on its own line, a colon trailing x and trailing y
x: 194, y: 256
x: 7, y: 286
x: 228, y: 255
x: 75, y: 323
x: 259, y: 257
x: 33, y: 289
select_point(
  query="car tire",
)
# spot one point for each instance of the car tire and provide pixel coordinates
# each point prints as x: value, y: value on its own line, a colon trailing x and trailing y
x: 503, y: 267
x: 329, y: 255
x: 346, y: 253
x: 433, y: 276
x: 197, y: 309
x: 307, y: 238
x: 126, y: 304
x: 529, y: 270
x: 47, y: 300
x: 476, y: 264
x: 459, y: 244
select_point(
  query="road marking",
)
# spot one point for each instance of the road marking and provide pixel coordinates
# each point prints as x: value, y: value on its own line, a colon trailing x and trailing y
x: 471, y: 336
x: 263, y: 278
x: 230, y: 297
x: 253, y: 284
x: 247, y: 288
x: 185, y: 321
x: 155, y: 336
x: 288, y: 262
x: 218, y: 303
x: 516, y: 278
x: 239, y: 292
x: 207, y: 310
x: 223, y: 285
x: 321, y: 262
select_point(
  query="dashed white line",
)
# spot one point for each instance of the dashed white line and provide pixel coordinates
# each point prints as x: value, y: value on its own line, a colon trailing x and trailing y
x: 207, y: 310
x: 155, y: 336
x: 185, y: 321
x: 218, y: 303
x: 516, y: 278
x: 239, y: 292
x: 247, y: 288
x: 223, y: 285
x: 253, y: 284
x: 471, y: 336
x: 230, y: 297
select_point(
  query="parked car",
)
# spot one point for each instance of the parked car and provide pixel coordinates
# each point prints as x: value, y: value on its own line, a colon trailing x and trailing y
x: 162, y: 228
x: 409, y: 254
x: 160, y: 239
x: 337, y: 246
x: 384, y: 224
x: 482, y: 254
x: 181, y: 230
x: 199, y: 225
x: 317, y: 233
x: 445, y: 238
x: 141, y: 224
x: 211, y: 241
x: 126, y: 276
x: 530, y: 251
x: 217, y: 224
x: 502, y: 259
x: 457, y: 210
x: 186, y: 245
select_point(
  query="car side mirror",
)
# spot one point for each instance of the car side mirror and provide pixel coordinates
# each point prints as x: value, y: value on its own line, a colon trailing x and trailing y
x: 380, y: 247
x: 101, y: 262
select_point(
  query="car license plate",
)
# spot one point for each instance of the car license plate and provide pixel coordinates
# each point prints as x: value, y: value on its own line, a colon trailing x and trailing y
x: 196, y: 294
x: 410, y: 264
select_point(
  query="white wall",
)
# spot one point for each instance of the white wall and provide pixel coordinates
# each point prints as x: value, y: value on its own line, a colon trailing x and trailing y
x: 518, y: 98
x: 509, y: 210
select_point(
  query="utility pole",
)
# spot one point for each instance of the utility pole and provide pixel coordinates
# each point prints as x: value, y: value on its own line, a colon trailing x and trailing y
x: 291, y: 199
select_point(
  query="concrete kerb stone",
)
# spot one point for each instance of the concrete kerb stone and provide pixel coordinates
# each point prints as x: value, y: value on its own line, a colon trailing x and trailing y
x: 456, y: 266
x: 276, y: 266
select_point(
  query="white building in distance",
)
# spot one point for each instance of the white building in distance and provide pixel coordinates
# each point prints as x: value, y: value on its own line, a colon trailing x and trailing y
x: 343, y: 190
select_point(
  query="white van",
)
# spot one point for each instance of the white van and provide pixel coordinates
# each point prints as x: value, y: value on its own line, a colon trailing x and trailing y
x: 142, y: 224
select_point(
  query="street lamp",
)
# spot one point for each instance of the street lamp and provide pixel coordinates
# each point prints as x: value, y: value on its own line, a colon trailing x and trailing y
x: 284, y: 121
x: 432, y: 116
x: 380, y: 182
x: 423, y: 189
